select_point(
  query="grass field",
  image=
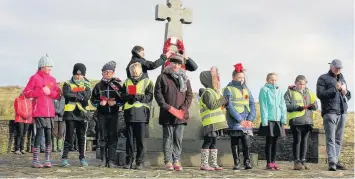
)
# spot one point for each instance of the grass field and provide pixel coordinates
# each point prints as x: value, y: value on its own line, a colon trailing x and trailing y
x: 9, y: 93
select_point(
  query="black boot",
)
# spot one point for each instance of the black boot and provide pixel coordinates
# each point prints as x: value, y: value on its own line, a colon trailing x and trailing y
x: 247, y: 164
x: 246, y: 155
x: 129, y: 161
x: 235, y: 152
x: 103, y: 151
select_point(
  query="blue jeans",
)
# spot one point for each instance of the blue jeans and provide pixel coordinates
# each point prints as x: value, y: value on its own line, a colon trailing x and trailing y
x: 172, y: 142
x: 334, y: 131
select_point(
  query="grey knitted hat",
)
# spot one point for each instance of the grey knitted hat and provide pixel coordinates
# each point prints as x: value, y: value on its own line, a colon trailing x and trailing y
x: 45, y: 61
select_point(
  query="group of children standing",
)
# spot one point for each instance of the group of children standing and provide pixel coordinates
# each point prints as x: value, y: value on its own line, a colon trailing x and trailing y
x: 232, y: 107
x: 276, y: 108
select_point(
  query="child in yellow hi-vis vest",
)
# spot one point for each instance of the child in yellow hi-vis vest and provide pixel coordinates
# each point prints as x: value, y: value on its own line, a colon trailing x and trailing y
x: 77, y: 93
x: 241, y: 112
x: 212, y: 116
x: 138, y: 94
x: 300, y: 103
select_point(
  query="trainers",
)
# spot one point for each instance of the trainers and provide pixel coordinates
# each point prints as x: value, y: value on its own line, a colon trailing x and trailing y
x: 83, y: 163
x: 37, y: 165
x: 298, y: 165
x: 47, y: 164
x: 169, y: 166
x: 23, y: 152
x: 64, y: 163
x: 270, y: 166
x: 276, y: 166
x: 305, y: 166
x: 340, y: 166
x: 139, y: 166
x: 17, y: 152
x: 177, y: 166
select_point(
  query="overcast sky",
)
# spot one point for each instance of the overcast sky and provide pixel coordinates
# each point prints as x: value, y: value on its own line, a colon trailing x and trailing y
x: 287, y: 37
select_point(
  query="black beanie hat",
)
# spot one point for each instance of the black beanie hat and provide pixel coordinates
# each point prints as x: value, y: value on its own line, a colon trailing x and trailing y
x: 79, y: 69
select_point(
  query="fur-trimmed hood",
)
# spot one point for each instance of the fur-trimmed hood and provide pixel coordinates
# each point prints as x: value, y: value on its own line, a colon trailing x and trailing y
x: 210, y: 79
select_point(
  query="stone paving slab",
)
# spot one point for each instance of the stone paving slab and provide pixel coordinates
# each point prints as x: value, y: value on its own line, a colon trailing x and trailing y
x: 14, y: 166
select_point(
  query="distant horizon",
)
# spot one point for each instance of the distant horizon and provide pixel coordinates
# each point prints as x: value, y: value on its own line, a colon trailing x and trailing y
x: 287, y: 37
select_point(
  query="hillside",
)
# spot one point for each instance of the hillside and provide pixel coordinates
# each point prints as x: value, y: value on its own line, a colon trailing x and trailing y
x: 9, y: 93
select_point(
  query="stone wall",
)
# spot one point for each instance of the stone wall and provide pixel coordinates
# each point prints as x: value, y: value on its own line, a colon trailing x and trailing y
x: 6, y: 136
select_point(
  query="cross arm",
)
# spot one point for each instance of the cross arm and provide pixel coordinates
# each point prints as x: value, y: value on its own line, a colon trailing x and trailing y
x: 186, y: 16
x: 161, y: 12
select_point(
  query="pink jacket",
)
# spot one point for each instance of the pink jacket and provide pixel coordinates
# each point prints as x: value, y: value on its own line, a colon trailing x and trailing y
x: 23, y: 110
x: 42, y: 105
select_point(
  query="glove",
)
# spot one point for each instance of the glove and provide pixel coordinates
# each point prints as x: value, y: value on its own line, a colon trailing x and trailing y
x: 131, y: 99
x: 312, y: 107
x: 138, y: 97
x: 299, y: 108
x: 226, y: 100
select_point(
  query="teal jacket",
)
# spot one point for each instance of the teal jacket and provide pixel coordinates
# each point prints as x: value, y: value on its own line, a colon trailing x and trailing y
x: 272, y: 104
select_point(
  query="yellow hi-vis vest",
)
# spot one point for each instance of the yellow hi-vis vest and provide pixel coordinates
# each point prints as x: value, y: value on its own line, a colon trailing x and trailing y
x: 209, y: 116
x: 72, y: 105
x: 240, y: 100
x: 297, y: 99
x: 140, y: 87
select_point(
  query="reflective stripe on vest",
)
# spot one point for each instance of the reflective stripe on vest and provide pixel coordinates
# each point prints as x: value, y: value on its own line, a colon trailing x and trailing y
x: 141, y: 87
x: 239, y: 100
x: 72, y: 105
x: 297, y: 99
x: 209, y: 116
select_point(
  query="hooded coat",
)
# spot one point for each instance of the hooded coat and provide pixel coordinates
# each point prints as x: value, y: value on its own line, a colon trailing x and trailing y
x: 211, y: 103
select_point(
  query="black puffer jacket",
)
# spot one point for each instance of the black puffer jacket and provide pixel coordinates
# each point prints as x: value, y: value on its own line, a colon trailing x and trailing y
x: 333, y: 102
x: 146, y: 65
x: 80, y: 97
x: 104, y: 89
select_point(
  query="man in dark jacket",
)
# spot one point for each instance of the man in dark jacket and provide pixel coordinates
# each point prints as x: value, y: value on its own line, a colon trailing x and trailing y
x: 138, y: 56
x: 77, y: 93
x: 333, y: 94
x: 106, y: 96
x: 59, y: 125
x: 174, y: 95
x: 138, y: 94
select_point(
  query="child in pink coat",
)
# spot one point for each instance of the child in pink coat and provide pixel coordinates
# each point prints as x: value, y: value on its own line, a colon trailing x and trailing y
x: 42, y: 87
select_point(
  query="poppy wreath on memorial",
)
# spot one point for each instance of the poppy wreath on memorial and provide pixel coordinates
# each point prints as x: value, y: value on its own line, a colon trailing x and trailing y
x: 180, y: 47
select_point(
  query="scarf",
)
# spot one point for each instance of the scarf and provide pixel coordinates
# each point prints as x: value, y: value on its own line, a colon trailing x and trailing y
x: 179, y: 75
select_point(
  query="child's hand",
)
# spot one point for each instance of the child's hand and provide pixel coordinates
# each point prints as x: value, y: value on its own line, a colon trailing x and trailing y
x: 111, y: 103
x: 46, y: 90
x: 103, y: 103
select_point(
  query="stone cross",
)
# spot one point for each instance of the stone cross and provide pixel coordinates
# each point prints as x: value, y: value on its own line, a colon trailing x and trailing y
x: 175, y: 15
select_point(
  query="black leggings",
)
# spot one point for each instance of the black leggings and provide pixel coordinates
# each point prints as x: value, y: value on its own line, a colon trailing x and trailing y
x: 47, y: 134
x: 271, y: 148
x: 21, y: 129
x: 209, y: 142
x: 300, y: 136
